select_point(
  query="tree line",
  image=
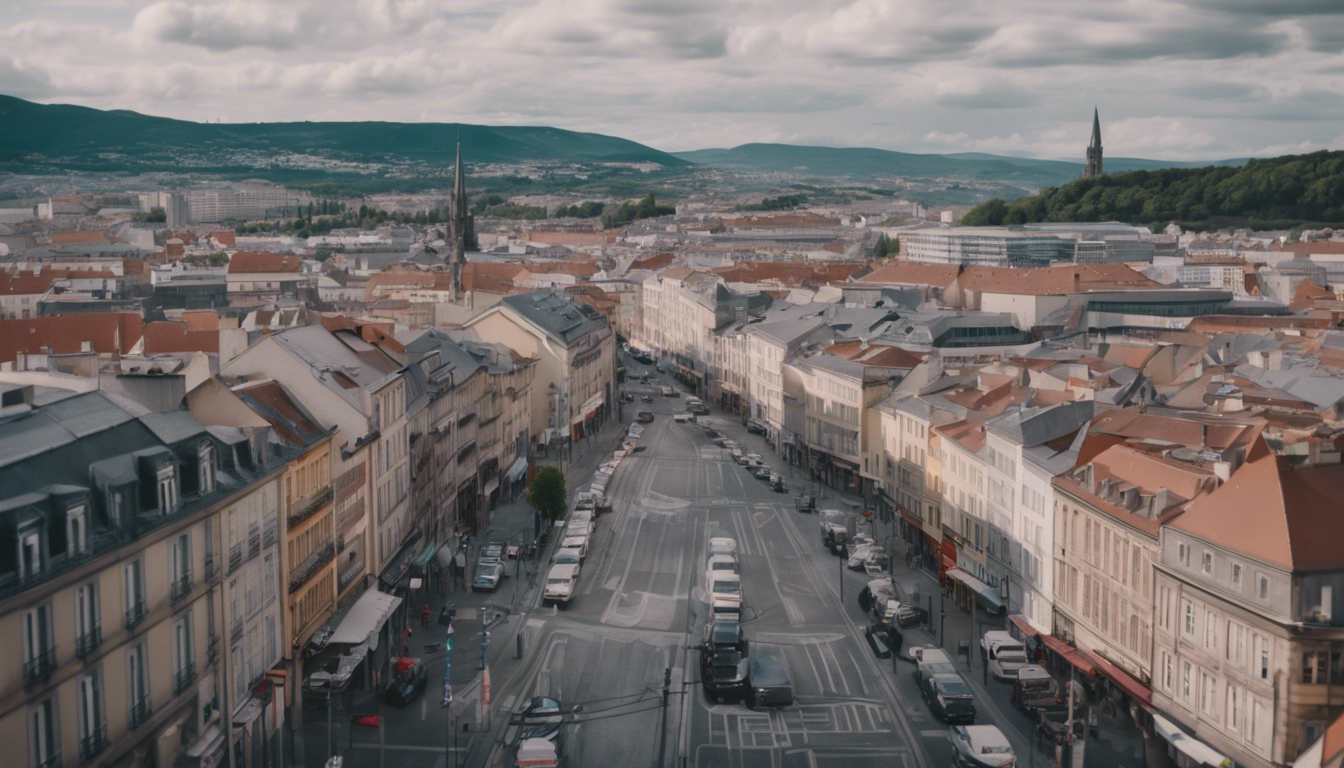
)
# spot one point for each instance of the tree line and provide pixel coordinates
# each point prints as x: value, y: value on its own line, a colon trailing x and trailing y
x: 1273, y: 193
x: 646, y: 208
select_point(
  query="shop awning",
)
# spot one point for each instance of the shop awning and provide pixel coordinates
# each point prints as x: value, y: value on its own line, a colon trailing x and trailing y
x: 1021, y: 623
x: 491, y: 485
x: 366, y: 617
x: 988, y: 596
x: 1122, y: 678
x: 516, y: 469
x: 424, y: 558
x: 1070, y: 654
x: 1193, y: 749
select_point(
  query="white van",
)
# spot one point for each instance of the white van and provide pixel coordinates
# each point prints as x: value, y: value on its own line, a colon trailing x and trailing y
x: 1004, y: 653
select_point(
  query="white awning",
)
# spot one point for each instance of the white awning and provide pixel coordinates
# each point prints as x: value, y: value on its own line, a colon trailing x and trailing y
x: 516, y: 469
x: 492, y: 485
x: 365, y: 618
x: 592, y: 403
x: 1196, y: 752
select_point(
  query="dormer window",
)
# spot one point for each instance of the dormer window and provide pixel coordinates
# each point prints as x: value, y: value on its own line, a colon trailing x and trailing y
x: 206, y: 464
x: 30, y: 553
x: 167, y: 480
x: 76, y: 531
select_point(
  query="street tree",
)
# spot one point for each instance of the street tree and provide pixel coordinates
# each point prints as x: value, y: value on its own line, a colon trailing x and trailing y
x: 547, y: 494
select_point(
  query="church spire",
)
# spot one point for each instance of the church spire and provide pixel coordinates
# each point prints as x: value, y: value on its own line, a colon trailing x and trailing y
x: 460, y: 224
x: 1094, y: 166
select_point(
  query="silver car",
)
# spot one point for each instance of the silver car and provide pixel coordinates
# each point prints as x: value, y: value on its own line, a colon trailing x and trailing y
x: 981, y: 746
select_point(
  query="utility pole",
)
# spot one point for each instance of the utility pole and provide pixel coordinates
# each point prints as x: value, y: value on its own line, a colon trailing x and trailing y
x: 662, y: 732
x: 485, y: 643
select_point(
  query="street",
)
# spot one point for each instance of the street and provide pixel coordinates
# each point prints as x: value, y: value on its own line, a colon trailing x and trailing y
x: 639, y: 605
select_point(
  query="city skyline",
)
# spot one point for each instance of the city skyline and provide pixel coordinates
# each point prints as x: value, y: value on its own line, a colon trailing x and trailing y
x: 1173, y: 80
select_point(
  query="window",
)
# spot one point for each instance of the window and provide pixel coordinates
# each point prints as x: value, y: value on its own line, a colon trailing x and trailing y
x: 1233, y: 708
x: 1210, y: 631
x: 184, y: 655
x: 92, y: 734
x: 269, y: 570
x: 1207, y: 689
x: 1262, y: 586
x: 1183, y: 554
x: 38, y: 650
x: 1262, y: 653
x: 1134, y: 579
x: 167, y: 491
x: 206, y: 465
x: 1189, y: 618
x: 134, y: 592
x: 76, y: 530
x: 43, y: 736
x: 30, y: 554
x: 1167, y: 671
x: 1236, y: 575
x: 1206, y: 562
x: 1185, y: 680
x: 87, y: 633
x: 137, y: 684
x: 180, y: 562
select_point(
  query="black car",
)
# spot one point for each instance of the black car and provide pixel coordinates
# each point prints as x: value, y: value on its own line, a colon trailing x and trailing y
x: 756, y: 428
x: 540, y: 719
x: 768, y: 685
x: 724, y: 675
x: 406, y: 682
x: 722, y: 634
x: 949, y: 698
x: 762, y: 472
x: 712, y: 433
x: 645, y: 359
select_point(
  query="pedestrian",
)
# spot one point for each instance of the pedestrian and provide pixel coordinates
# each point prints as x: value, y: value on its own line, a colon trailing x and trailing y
x: 896, y: 642
x: 424, y: 617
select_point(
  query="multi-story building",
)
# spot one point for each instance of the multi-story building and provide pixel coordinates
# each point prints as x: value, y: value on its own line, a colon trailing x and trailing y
x: 965, y: 521
x: 769, y: 344
x: 112, y: 594
x: 253, y: 277
x: 985, y: 247
x: 575, y: 350
x: 242, y: 202
x: 910, y: 467
x: 346, y: 381
x: 1249, y: 631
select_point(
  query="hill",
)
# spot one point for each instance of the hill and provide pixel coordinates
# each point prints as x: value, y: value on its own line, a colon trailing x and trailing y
x: 79, y: 138
x: 868, y: 164
x: 1274, y: 193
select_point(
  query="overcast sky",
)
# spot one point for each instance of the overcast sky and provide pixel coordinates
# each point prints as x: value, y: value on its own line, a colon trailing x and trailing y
x: 1174, y: 79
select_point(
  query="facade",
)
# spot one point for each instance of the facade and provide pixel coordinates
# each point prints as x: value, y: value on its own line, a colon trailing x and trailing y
x: 575, y: 350
x: 985, y: 247
x: 242, y: 203
x: 256, y: 276
x: 965, y: 520
x: 113, y: 595
x: 769, y: 344
x: 1249, y: 627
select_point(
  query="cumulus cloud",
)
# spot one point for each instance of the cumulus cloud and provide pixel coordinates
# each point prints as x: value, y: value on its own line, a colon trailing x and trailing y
x: 219, y: 27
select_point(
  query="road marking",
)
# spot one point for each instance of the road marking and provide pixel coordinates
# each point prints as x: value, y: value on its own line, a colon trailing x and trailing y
x: 934, y: 734
x: 424, y: 707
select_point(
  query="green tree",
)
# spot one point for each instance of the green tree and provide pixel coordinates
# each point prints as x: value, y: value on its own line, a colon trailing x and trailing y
x: 547, y: 493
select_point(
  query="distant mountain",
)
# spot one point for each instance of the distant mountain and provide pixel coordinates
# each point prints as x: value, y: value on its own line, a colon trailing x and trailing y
x: 71, y: 137
x: 866, y: 163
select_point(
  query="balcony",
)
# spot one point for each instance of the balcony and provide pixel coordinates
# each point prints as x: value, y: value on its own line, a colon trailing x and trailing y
x: 87, y: 642
x: 183, y: 678
x: 311, y: 565
x: 135, y: 614
x: 93, y: 745
x: 254, y: 542
x: 51, y: 762
x: 235, y: 556
x: 38, y: 669
x: 236, y: 633
x: 181, y: 587
x: 306, y: 508
x: 140, y: 712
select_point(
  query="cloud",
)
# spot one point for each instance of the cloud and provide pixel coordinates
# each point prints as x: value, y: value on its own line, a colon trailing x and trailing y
x: 982, y: 93
x: 20, y: 79
x: 220, y: 27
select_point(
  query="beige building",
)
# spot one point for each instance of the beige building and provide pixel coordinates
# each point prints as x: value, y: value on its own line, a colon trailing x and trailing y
x: 575, y: 350
x: 1249, y: 629
x: 112, y: 597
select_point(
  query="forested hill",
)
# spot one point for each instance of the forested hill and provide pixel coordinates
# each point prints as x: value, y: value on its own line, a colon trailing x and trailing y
x: 1274, y: 193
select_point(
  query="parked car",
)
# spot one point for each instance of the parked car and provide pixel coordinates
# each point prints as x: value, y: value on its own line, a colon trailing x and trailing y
x: 900, y: 614
x: 670, y: 392
x: 1035, y: 690
x: 723, y: 563
x: 725, y: 591
x: 644, y: 417
x: 647, y: 398
x: 645, y: 359
x: 720, y: 441
x: 981, y: 746
x: 579, y: 528
x: 933, y: 661
x: 579, y: 543
x: 1004, y: 653
x: 805, y: 503
x: 762, y: 472
x: 540, y: 718
x: 722, y: 545
x: 834, y: 526
x: 537, y: 753
x: 768, y: 685
x: 488, y: 575
x: 724, y: 675
x: 406, y: 681
x: 682, y: 417
x: 712, y: 433
x: 860, y: 555
x: 560, y: 583
x: 949, y: 698
x: 737, y: 455
x: 778, y: 484
x: 583, y: 516
x: 756, y: 428
x: 567, y: 556
x: 722, y: 634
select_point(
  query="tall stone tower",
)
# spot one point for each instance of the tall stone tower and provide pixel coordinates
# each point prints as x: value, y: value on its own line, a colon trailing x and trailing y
x: 1093, y: 168
x: 460, y: 225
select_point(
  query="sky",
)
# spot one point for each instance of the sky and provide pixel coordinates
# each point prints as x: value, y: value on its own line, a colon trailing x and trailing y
x: 1173, y: 79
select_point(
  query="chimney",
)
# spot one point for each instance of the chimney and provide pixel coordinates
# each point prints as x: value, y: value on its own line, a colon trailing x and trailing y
x: 1204, y: 435
x: 1159, y: 502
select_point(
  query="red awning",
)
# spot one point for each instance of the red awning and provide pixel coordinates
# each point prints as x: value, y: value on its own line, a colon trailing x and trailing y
x: 1074, y: 656
x: 1122, y: 678
x: 1021, y: 623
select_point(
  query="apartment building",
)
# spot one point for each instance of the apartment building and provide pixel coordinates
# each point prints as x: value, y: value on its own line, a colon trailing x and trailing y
x: 769, y: 344
x: 253, y: 277
x: 113, y: 595
x: 1249, y: 631
x: 965, y: 520
x: 575, y: 350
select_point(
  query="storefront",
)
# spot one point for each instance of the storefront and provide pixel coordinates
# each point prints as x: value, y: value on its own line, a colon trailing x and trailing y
x: 947, y: 556
x: 1185, y: 750
x: 967, y: 589
x: 515, y: 478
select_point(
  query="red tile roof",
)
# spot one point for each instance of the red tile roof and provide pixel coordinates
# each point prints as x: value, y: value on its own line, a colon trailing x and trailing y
x: 1306, y: 249
x: 107, y: 332
x: 24, y: 284
x: 244, y: 262
x: 653, y: 262
x: 172, y: 336
x: 225, y: 237
x: 78, y: 238
x: 880, y: 355
x: 1056, y: 281
x: 914, y: 273
x: 1276, y: 513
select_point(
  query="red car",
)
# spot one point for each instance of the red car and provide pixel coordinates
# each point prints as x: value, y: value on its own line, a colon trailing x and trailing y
x: 644, y: 416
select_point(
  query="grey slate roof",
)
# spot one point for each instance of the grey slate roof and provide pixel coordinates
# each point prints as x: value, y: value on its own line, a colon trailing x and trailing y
x: 331, y: 357
x: 1033, y: 426
x: 559, y: 316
